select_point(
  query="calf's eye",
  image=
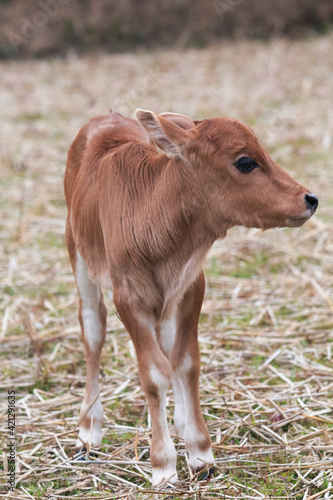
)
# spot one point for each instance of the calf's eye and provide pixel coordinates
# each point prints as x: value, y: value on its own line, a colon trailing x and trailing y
x: 245, y: 164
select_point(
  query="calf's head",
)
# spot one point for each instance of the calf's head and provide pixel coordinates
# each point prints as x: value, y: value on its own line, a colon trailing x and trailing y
x: 242, y: 183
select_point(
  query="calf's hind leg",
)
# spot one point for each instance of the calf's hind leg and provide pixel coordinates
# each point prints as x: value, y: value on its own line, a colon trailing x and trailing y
x: 92, y: 318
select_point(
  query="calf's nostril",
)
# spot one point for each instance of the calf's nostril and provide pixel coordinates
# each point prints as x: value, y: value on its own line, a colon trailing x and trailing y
x: 311, y: 201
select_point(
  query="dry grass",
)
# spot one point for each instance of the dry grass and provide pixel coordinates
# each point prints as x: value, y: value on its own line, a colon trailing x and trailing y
x: 266, y: 325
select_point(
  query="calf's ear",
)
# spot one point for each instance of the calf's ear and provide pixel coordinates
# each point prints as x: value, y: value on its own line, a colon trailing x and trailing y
x: 182, y: 120
x: 166, y: 134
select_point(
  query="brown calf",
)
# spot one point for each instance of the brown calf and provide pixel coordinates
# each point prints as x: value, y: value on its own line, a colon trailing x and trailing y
x: 140, y: 223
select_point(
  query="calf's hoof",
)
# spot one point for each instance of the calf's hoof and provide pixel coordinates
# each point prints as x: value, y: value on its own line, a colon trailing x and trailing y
x: 80, y: 454
x: 206, y: 473
x: 169, y: 497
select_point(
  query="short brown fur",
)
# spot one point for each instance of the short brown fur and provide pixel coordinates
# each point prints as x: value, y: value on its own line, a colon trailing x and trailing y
x: 143, y: 222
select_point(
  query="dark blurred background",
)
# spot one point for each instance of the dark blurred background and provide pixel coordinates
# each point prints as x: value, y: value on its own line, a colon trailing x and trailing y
x: 124, y: 25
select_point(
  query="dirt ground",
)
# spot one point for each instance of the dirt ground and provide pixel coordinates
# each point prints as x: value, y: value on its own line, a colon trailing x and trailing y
x: 266, y: 329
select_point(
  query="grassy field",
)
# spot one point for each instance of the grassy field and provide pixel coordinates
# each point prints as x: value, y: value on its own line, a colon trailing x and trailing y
x: 266, y: 329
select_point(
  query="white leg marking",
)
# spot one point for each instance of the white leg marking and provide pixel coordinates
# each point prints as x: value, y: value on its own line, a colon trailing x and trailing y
x: 169, y: 456
x: 168, y: 453
x: 93, y: 435
x: 168, y: 330
x: 198, y: 459
x: 193, y: 436
x: 168, y: 474
x: 94, y: 338
x: 159, y: 379
x: 149, y: 322
x: 179, y: 414
x: 90, y: 296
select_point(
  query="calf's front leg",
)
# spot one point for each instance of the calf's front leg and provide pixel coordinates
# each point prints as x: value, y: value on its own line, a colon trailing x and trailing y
x: 185, y: 360
x: 155, y: 375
